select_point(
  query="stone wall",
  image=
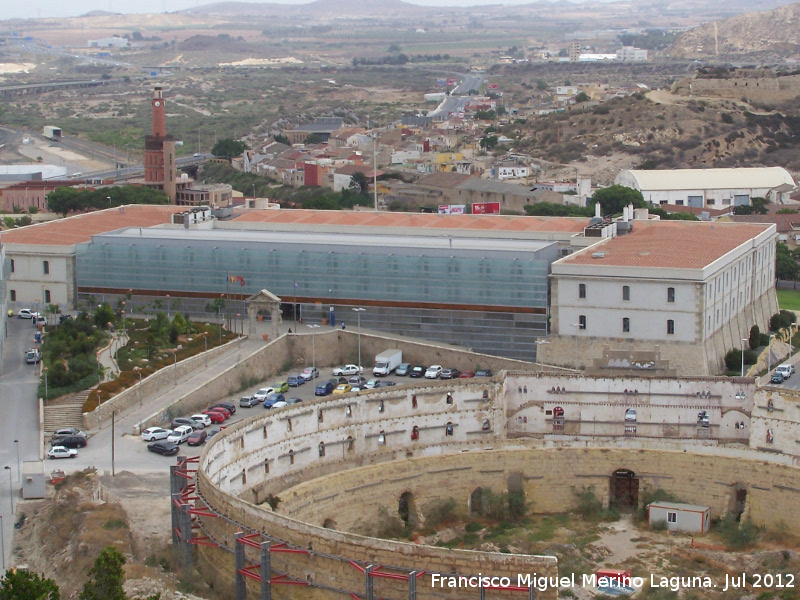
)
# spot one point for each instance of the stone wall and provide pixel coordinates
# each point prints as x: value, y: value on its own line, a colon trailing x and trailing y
x: 151, y: 385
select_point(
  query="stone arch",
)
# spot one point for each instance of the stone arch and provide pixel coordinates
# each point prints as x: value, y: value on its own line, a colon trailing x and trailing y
x: 738, y: 500
x: 407, y: 510
x: 268, y: 302
x: 624, y: 489
x: 478, y: 502
x: 329, y: 524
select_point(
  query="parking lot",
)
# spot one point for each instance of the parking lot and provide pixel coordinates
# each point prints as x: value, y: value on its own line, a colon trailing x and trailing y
x: 130, y: 451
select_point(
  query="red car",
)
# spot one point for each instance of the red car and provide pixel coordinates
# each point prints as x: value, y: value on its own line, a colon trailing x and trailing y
x: 467, y: 374
x: 221, y: 409
x: 197, y: 438
x: 216, y: 417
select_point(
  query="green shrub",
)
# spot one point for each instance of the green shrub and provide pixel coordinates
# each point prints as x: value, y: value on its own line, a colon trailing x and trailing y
x: 737, y: 535
x: 473, y: 527
x: 441, y: 512
x: 754, y: 337
x: 660, y: 525
x: 733, y: 359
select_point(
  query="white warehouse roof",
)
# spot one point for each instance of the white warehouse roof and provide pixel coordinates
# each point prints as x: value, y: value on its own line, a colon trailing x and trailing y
x: 706, y: 179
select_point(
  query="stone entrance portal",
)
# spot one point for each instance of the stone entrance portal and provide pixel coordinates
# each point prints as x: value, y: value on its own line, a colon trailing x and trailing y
x: 264, y: 303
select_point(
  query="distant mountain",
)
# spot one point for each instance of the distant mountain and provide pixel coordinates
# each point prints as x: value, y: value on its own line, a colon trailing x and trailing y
x: 337, y: 7
x: 99, y: 13
x: 756, y: 33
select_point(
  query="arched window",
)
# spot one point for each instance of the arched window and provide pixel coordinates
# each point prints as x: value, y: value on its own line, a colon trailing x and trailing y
x: 670, y: 294
x: 626, y: 325
x: 351, y: 442
x: 291, y: 457
x: 486, y: 426
x: 415, y: 433
x: 382, y: 438
x: 448, y: 430
x: 322, y: 448
x: 414, y: 401
x: 320, y: 418
x: 449, y: 398
x: 348, y: 411
x: 288, y: 424
x: 670, y: 327
x: 380, y: 406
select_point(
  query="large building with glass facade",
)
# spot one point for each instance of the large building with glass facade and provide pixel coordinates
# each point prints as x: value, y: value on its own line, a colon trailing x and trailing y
x: 487, y: 293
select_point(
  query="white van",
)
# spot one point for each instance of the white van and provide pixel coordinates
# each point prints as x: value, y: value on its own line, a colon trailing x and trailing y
x: 786, y: 370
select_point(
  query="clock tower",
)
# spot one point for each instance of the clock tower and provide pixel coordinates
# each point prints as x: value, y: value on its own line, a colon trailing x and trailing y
x: 159, y: 151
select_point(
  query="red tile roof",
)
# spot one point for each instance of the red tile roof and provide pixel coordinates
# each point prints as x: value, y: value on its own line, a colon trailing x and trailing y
x: 668, y: 244
x: 415, y: 220
x: 77, y: 229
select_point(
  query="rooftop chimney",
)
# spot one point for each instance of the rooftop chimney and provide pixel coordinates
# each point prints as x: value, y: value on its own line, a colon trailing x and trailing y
x: 597, y: 209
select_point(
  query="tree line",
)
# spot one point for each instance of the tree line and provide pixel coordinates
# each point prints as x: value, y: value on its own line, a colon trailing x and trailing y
x: 65, y: 200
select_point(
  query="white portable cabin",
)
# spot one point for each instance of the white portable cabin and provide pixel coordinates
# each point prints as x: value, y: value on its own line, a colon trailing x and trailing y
x: 691, y: 518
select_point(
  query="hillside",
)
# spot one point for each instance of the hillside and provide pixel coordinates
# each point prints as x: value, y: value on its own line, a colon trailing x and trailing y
x: 661, y: 131
x: 757, y: 34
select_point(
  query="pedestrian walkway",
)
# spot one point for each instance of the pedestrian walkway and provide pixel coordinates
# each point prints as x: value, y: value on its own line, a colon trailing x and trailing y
x: 107, y: 357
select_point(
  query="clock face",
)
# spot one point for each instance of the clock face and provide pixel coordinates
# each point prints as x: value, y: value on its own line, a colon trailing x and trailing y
x: 157, y: 103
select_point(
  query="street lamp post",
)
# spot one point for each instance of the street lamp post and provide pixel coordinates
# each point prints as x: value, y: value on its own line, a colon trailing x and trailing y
x: 205, y: 340
x: 744, y: 341
x: 168, y: 304
x: 358, y: 312
x: 10, y: 489
x: 138, y: 371
x: 539, y: 343
x: 2, y: 544
x: 44, y: 370
x: 19, y: 464
x: 313, y: 344
x: 175, y: 367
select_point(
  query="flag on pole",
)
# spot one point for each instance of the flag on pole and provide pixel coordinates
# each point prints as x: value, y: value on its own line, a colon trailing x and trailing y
x: 235, y: 278
x: 295, y: 285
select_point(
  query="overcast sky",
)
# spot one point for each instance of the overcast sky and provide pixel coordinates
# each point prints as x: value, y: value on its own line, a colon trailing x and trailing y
x: 36, y: 9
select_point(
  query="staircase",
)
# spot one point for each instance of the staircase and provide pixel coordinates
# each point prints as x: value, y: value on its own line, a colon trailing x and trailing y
x: 65, y: 413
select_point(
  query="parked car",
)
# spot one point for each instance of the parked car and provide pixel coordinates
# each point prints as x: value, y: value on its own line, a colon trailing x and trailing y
x: 630, y: 415
x: 403, y: 369
x: 180, y: 434
x: 262, y: 394
x: 270, y: 400
x: 786, y: 370
x: 279, y: 404
x: 214, y: 431
x: 467, y: 374
x: 295, y: 380
x: 248, y: 401
x: 281, y: 386
x: 26, y: 313
x: 164, y: 448
x: 220, y: 409
x: 357, y: 381
x: 293, y: 400
x: 310, y: 373
x: 483, y: 373
x: 61, y: 452
x: 385, y: 384
x: 197, y: 438
x: 343, y: 388
x: 372, y: 383
x: 63, y: 431
x: 69, y: 441
x: 348, y: 370
x: 180, y: 421
x: 32, y: 356
x: 204, y: 419
x: 229, y: 406
x: 776, y: 378
x: 216, y: 417
x: 416, y: 372
x: 433, y: 372
x: 324, y: 388
x: 152, y: 434
x: 450, y: 374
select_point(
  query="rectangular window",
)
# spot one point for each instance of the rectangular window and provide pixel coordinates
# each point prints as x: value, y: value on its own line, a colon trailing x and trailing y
x: 626, y: 325
x: 670, y: 327
x: 46, y: 267
x: 12, y: 295
x: 672, y: 517
x: 582, y: 322
x: 671, y: 294
x: 581, y: 290
x: 12, y: 265
x: 626, y: 292
x: 47, y: 296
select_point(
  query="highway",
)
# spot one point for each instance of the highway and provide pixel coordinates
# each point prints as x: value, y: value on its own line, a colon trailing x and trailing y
x: 20, y: 409
x: 458, y: 98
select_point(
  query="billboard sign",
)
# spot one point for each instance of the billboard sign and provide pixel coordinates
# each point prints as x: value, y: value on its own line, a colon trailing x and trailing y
x: 486, y: 208
x: 452, y: 209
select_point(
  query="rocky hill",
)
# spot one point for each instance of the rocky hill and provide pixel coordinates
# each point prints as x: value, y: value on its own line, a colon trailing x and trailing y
x: 756, y: 34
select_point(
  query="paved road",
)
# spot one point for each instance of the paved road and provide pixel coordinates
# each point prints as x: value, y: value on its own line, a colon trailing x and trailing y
x: 20, y: 421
